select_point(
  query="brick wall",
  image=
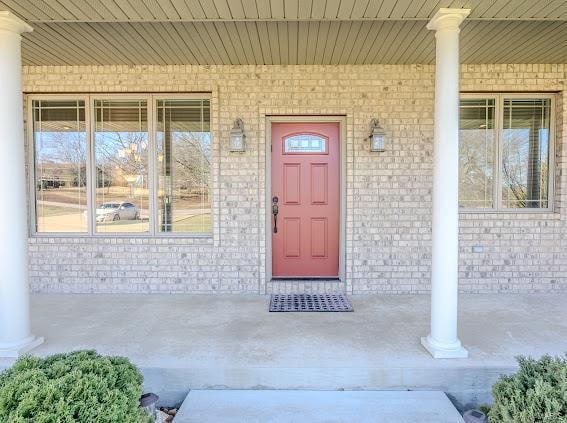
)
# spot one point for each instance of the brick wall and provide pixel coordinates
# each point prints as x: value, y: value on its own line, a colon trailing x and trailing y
x: 388, y: 195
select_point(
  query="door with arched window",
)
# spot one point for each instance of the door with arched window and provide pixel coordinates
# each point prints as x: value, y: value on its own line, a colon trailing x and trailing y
x: 305, y: 199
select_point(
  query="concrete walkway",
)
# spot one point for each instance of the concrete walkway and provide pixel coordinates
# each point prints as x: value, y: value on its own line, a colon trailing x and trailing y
x: 317, y: 407
x: 184, y: 342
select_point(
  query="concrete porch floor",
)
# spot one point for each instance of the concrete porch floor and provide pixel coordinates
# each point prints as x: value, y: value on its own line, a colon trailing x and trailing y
x: 184, y: 342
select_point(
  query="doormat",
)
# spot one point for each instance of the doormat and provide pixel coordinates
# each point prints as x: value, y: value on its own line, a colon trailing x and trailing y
x: 309, y: 302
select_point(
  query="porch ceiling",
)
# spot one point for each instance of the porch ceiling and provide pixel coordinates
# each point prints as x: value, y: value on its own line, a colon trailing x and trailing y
x: 68, y: 32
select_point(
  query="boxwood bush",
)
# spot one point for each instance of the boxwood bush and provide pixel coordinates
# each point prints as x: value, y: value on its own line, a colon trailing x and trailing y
x: 81, y: 386
x: 536, y: 393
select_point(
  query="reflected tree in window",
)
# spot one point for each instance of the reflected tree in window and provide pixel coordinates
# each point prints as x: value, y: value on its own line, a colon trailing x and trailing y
x: 183, y: 148
x: 60, y: 155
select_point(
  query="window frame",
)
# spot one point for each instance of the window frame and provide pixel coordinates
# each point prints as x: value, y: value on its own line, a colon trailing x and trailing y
x: 498, y: 152
x: 90, y: 116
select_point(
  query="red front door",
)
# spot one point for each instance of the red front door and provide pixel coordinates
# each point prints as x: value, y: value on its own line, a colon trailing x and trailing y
x: 305, y: 189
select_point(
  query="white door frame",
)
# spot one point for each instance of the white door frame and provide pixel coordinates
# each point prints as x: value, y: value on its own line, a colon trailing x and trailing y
x: 341, y: 120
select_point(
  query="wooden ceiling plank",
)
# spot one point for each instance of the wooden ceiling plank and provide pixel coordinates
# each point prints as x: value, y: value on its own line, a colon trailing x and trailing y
x: 411, y: 32
x: 318, y: 9
x: 43, y: 52
x: 422, y: 39
x: 246, y: 43
x: 373, y: 8
x: 25, y: 13
x: 274, y: 42
x: 514, y: 9
x: 169, y: 10
x: 426, y: 54
x: 471, y: 44
x: 395, y: 40
x: 297, y: 43
x: 331, y: 41
x: 506, y: 41
x: 67, y: 41
x: 322, y: 36
x: 264, y: 9
x: 248, y: 9
x: 387, y: 8
x: 128, y: 44
x: 481, y: 8
x: 349, y: 42
x: 126, y: 30
x: 358, y: 42
x: 208, y: 44
x: 113, y: 11
x: 255, y: 47
x: 236, y: 42
x: 393, y: 29
x: 196, y: 9
x: 159, y: 38
x: 277, y: 8
x: 304, y: 9
x: 283, y: 43
x: 291, y: 9
x: 209, y: 9
x: 383, y: 30
x: 312, y: 34
x: 223, y: 9
x: 369, y: 40
x: 264, y: 38
x: 191, y: 37
x: 222, y: 42
x: 560, y: 12
x: 59, y: 43
x: 400, y: 9
x: 55, y: 9
x: 182, y: 9
x: 543, y: 9
x: 345, y: 9
x: 332, y: 9
x: 154, y: 10
x: 359, y: 9
x: 301, y: 40
x: 541, y: 39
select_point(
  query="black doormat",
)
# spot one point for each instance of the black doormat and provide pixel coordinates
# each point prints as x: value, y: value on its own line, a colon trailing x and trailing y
x: 309, y: 302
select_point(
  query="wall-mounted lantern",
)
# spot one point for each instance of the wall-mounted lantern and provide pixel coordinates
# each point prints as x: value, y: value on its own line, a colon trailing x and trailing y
x: 237, y: 140
x: 377, y: 136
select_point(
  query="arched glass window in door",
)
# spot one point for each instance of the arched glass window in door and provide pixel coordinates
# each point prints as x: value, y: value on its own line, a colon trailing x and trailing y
x: 305, y: 144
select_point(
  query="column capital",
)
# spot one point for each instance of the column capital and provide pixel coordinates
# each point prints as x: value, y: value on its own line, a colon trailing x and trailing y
x: 448, y: 19
x: 10, y: 22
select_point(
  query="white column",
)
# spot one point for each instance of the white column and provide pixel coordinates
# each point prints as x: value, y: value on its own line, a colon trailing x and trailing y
x: 443, y: 341
x: 15, y: 335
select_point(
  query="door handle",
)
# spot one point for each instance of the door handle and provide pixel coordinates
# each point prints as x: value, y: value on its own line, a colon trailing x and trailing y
x: 275, y: 211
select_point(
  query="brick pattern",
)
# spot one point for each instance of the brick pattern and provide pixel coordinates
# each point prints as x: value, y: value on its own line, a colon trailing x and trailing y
x: 388, y: 195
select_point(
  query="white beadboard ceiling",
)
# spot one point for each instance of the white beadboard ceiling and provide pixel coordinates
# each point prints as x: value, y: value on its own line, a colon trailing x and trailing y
x: 68, y: 32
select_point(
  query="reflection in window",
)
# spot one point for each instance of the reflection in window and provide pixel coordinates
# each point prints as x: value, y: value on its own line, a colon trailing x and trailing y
x: 183, y: 148
x: 60, y: 165
x: 305, y: 143
x: 476, y: 153
x: 525, y: 153
x: 121, y: 156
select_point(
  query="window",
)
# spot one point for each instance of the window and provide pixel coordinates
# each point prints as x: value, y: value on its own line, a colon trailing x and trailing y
x: 183, y: 147
x: 123, y: 164
x: 60, y: 165
x: 121, y: 155
x: 305, y: 143
x: 505, y: 152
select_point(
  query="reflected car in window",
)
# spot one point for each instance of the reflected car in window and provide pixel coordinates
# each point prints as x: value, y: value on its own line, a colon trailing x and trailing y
x: 108, y: 212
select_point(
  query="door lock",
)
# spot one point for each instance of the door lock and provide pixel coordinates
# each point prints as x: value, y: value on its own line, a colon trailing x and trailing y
x: 275, y: 211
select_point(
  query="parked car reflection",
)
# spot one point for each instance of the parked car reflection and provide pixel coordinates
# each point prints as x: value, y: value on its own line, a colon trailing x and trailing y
x: 109, y: 212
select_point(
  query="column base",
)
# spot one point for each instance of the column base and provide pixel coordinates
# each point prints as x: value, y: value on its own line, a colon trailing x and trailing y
x: 438, y: 350
x: 18, y: 349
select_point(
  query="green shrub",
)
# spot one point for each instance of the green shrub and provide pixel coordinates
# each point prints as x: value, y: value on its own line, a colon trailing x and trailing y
x: 536, y: 393
x: 82, y: 386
